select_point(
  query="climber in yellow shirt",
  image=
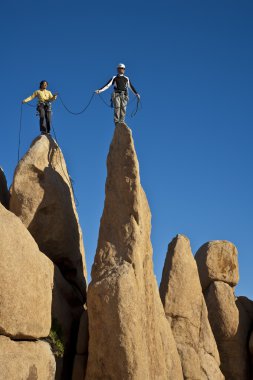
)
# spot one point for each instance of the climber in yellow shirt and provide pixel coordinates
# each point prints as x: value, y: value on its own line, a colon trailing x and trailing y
x: 44, y: 106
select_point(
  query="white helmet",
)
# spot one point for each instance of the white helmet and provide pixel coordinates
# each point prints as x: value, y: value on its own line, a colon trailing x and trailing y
x: 121, y: 66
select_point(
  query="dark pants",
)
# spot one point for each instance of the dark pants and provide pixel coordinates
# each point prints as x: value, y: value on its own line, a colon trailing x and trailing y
x: 45, y: 112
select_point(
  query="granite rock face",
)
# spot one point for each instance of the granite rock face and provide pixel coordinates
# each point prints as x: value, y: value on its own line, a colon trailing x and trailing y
x: 217, y: 261
x: 42, y: 197
x: 129, y: 335
x: 223, y: 312
x: 26, y: 282
x: 26, y: 360
x: 185, y: 308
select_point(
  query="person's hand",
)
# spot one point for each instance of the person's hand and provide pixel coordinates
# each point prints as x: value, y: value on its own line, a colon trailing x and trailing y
x: 55, y: 96
x: 97, y: 91
x: 23, y: 101
x: 138, y: 96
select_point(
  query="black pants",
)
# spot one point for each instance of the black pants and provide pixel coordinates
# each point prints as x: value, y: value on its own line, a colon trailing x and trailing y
x: 45, y: 112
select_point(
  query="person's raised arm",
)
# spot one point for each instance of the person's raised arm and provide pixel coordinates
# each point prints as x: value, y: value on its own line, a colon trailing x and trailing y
x: 52, y: 97
x: 105, y: 87
x: 34, y: 95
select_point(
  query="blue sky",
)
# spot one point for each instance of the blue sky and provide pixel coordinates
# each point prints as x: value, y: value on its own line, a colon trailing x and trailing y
x: 192, y: 63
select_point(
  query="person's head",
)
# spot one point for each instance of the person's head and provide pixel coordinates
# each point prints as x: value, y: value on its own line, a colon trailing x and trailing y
x: 121, y: 68
x: 43, y: 85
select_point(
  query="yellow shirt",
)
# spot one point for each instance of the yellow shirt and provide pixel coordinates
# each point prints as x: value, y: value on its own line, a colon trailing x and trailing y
x: 42, y: 95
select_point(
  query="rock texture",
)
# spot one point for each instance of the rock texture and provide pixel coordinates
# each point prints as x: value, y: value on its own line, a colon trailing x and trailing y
x: 185, y: 308
x: 251, y: 352
x: 79, y: 368
x: 66, y: 314
x: 129, y: 335
x: 218, y: 261
x: 223, y: 313
x: 42, y: 198
x: 4, y: 192
x: 26, y: 360
x: 81, y: 357
x: 26, y: 282
x: 230, y: 318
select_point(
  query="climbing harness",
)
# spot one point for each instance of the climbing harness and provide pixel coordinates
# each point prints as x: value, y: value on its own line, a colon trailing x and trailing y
x: 133, y: 113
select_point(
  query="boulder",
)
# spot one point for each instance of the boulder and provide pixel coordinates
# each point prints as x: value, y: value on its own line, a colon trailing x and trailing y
x: 26, y: 282
x: 217, y: 261
x: 185, y: 308
x: 129, y: 335
x: 231, y: 324
x: 230, y: 318
x: 26, y: 360
x: 42, y: 197
x: 223, y: 312
x: 4, y: 192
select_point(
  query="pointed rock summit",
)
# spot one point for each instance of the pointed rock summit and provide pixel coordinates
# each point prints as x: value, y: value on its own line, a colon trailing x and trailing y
x: 42, y: 197
x: 185, y: 308
x: 129, y: 335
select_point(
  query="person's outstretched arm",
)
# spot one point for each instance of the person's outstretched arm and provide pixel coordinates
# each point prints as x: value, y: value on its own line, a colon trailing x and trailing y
x: 105, y: 87
x: 52, y: 97
x: 34, y: 95
x: 132, y: 88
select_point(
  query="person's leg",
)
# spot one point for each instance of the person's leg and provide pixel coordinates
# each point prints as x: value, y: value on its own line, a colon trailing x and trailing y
x: 116, y: 105
x: 42, y: 113
x: 123, y: 105
x: 48, y: 119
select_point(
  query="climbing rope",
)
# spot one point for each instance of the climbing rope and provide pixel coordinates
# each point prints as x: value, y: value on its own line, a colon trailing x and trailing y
x: 108, y: 105
x: 133, y: 113
x: 20, y: 125
x: 30, y: 105
x: 138, y: 106
x: 69, y: 180
x: 77, y: 113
